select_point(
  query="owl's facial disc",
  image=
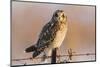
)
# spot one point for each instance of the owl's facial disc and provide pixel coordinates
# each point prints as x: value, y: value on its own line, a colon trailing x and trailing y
x: 59, y: 16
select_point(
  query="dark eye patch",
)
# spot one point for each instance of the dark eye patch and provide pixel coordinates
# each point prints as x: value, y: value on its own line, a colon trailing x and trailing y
x: 56, y: 15
x: 63, y: 16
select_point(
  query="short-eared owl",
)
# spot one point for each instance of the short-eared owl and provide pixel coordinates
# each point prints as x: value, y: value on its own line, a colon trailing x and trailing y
x: 51, y: 36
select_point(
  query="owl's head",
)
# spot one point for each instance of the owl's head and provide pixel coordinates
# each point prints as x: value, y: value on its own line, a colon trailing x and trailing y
x: 59, y: 16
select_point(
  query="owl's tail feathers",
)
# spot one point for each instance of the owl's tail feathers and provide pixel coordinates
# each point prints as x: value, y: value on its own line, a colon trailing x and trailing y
x: 30, y: 49
x: 37, y: 52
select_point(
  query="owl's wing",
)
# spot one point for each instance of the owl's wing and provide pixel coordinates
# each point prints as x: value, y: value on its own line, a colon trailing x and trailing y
x: 47, y: 35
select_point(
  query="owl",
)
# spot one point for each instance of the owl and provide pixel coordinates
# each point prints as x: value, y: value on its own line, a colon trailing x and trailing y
x: 51, y: 36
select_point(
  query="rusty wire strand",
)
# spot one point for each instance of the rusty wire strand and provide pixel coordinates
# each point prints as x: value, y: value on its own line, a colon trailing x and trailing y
x: 30, y: 58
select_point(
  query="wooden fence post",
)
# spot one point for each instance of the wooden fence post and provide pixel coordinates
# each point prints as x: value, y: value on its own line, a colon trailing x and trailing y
x: 53, y: 56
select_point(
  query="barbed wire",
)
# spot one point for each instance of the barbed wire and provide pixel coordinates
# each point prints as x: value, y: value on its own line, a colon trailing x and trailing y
x: 69, y: 55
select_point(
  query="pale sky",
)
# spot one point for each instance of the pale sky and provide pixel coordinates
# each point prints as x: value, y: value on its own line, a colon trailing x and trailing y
x: 28, y: 19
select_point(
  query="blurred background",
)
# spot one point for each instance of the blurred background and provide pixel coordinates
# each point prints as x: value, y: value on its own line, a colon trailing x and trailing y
x: 28, y: 18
